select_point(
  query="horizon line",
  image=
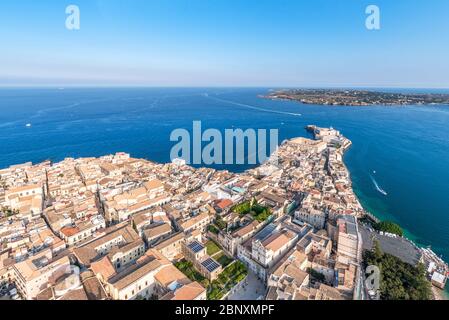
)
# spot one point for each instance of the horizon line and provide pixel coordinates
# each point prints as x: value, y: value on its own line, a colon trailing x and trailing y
x: 125, y: 86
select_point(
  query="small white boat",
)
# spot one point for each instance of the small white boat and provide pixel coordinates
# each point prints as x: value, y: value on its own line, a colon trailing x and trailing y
x: 28, y: 125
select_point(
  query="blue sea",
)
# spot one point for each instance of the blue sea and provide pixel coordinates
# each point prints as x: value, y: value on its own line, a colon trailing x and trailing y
x: 404, y: 149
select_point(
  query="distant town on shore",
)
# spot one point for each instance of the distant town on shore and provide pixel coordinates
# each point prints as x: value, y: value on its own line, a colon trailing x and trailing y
x: 353, y: 97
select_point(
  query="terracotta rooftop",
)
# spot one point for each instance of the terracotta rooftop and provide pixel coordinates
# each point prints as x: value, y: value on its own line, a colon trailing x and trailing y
x: 104, y: 267
x: 134, y: 273
x: 277, y: 240
x: 246, y: 229
x: 69, y: 231
x: 170, y: 274
x: 187, y: 292
x: 157, y: 231
x: 223, y: 204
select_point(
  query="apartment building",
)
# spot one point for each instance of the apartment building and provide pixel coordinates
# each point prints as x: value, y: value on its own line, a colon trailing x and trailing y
x: 135, y: 281
x: 33, y: 275
x: 191, y: 291
x: 312, y: 216
x: 121, y: 244
x: 152, y: 276
x: 155, y: 233
x: 28, y: 199
x: 315, y: 244
x: 82, y: 230
x: 122, y: 206
x: 230, y: 241
x: 199, y: 222
x: 289, y: 278
x: 171, y: 247
x: 270, y: 249
x: 270, y: 245
x: 348, y: 238
x: 195, y: 252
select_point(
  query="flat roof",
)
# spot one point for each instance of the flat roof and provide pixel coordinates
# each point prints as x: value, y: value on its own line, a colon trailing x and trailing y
x: 210, y: 264
x: 195, y: 246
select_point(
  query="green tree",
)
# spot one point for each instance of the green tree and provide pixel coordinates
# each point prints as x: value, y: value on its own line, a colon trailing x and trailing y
x: 399, y: 280
x: 8, y: 212
x: 377, y: 251
x: 220, y: 223
x: 213, y: 229
x: 390, y: 227
x: 316, y: 275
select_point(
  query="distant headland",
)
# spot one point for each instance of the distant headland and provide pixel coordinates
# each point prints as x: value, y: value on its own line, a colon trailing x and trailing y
x: 353, y: 97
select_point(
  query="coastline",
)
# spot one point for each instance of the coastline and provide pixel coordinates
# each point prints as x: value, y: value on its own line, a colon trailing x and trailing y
x: 427, y: 255
x: 345, y: 144
x: 357, y: 98
x: 438, y: 294
x: 331, y: 105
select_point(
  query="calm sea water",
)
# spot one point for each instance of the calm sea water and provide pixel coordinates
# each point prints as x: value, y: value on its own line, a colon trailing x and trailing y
x: 406, y: 147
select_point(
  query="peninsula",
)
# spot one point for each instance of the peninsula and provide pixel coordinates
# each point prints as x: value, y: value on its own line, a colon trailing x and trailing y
x: 134, y: 229
x: 351, y: 97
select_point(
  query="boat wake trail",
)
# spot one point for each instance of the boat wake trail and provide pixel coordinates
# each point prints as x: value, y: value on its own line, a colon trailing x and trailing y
x: 252, y: 107
x: 42, y: 112
x: 378, y: 188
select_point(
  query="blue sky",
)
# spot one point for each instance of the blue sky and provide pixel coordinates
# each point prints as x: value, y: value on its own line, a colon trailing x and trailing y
x: 225, y: 43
